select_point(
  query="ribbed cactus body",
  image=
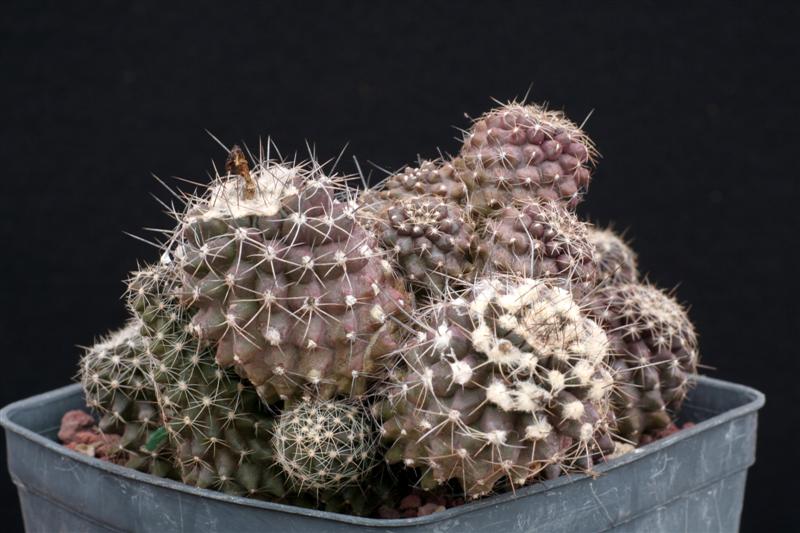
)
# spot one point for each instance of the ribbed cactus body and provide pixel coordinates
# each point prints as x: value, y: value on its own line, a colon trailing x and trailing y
x: 654, y: 353
x: 518, y: 152
x: 116, y: 380
x: 437, y: 179
x: 213, y: 420
x: 325, y: 445
x: 433, y: 242
x: 542, y: 240
x: 506, y: 382
x: 285, y: 283
x: 614, y: 259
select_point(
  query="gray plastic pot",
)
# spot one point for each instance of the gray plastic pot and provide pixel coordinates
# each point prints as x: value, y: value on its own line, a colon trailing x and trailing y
x: 691, y: 481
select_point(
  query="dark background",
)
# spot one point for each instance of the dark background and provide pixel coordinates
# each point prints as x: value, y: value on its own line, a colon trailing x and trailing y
x: 695, y: 115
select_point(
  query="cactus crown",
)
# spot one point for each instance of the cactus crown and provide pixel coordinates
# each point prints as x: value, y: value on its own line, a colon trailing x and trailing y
x: 648, y: 312
x: 540, y: 239
x: 613, y: 257
x: 325, y: 444
x: 517, y: 152
x: 115, y: 366
x: 528, y: 120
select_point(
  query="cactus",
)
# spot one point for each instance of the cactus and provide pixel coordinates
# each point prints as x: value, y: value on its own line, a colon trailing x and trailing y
x: 430, y: 178
x: 291, y: 290
x: 324, y: 445
x: 519, y: 152
x: 455, y: 326
x: 222, y: 438
x: 213, y: 420
x: 115, y: 376
x: 654, y: 348
x: 222, y: 435
x: 432, y: 241
x: 613, y: 257
x: 541, y: 239
x: 508, y: 380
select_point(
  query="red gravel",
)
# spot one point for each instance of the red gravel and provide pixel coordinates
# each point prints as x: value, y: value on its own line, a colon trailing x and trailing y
x: 78, y: 432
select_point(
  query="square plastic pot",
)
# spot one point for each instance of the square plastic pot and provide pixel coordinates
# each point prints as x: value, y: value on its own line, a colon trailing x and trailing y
x: 693, y: 480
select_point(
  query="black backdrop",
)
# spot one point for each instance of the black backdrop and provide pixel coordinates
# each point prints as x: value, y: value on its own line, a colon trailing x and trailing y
x: 693, y: 113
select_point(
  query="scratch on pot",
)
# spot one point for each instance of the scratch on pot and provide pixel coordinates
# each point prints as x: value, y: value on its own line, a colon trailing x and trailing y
x: 665, y: 459
x: 714, y: 492
x: 600, y: 503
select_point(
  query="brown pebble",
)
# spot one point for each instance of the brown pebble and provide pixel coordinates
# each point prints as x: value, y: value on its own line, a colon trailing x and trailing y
x: 409, y: 513
x: 85, y: 437
x: 85, y: 449
x: 412, y: 501
x: 384, y: 511
x: 430, y: 508
x: 72, y: 422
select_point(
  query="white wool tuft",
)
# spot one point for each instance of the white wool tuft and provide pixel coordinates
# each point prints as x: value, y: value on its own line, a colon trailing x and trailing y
x: 274, y: 182
x: 573, y: 410
x: 441, y: 341
x: 539, y: 430
x: 462, y: 372
x: 587, y: 430
x: 583, y: 370
x: 498, y: 394
x: 557, y: 381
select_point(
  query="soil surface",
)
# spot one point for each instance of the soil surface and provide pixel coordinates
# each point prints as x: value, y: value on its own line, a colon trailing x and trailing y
x: 80, y: 433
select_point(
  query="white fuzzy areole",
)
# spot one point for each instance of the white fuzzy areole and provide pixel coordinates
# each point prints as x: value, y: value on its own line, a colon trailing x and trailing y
x: 482, y: 338
x: 583, y: 370
x: 573, y: 410
x: 497, y: 437
x: 498, y: 394
x: 586, y: 432
x: 272, y: 336
x: 595, y: 343
x: 462, y: 372
x: 274, y: 183
x: 557, y: 381
x: 530, y: 397
x: 538, y: 430
x: 377, y: 313
x: 441, y: 340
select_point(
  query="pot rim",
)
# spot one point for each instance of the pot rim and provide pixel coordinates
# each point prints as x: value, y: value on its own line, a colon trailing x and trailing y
x: 756, y: 401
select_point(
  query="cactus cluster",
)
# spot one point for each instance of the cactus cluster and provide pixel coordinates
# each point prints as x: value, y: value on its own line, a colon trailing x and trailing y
x: 455, y: 327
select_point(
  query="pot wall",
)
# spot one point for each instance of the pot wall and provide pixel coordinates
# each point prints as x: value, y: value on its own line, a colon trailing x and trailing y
x: 693, y: 480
